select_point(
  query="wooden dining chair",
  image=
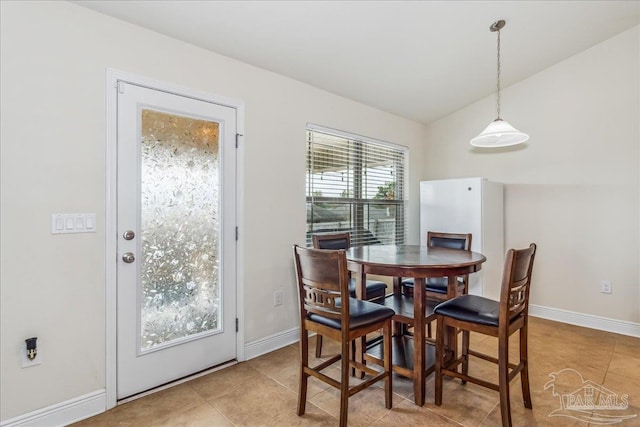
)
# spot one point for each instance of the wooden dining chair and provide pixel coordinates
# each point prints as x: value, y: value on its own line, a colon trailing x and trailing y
x: 500, y: 319
x: 436, y: 287
x: 323, y: 285
x: 375, y: 290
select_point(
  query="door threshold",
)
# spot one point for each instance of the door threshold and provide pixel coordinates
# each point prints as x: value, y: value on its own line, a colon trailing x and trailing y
x: 177, y: 382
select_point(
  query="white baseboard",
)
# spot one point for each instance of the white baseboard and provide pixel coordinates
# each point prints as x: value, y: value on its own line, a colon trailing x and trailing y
x: 586, y: 320
x: 62, y: 413
x: 279, y: 340
x: 273, y: 342
x: 91, y: 404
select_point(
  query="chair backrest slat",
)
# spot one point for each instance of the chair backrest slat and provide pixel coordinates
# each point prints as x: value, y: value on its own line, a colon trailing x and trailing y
x: 516, y: 283
x: 323, y: 281
x: 461, y: 241
x: 332, y: 241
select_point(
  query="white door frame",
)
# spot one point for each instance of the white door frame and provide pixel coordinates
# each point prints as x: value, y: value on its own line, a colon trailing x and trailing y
x: 112, y: 78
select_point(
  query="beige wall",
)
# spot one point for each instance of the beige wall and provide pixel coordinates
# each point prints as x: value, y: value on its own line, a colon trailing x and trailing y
x: 574, y: 189
x: 54, y: 57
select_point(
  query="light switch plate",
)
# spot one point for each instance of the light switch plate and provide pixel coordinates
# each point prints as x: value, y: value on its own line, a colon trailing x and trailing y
x: 63, y: 223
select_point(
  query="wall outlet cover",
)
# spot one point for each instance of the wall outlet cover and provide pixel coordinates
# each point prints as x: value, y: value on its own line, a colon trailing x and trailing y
x: 277, y: 298
x: 26, y: 363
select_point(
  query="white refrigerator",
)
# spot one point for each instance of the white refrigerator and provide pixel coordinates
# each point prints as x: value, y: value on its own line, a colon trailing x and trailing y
x: 468, y: 205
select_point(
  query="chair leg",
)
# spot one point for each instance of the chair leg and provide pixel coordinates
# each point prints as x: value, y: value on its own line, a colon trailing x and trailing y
x: 439, y: 359
x: 344, y: 383
x: 503, y: 379
x: 304, y: 377
x: 352, y: 357
x: 318, y: 345
x: 524, y: 374
x: 388, y: 386
x: 465, y: 353
x: 399, y: 328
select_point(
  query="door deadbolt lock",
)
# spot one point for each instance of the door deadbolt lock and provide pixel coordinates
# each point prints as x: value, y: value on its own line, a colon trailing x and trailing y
x: 128, y: 257
x: 129, y: 235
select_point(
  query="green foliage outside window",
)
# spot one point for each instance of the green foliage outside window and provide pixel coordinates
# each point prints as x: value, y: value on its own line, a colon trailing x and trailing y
x: 386, y: 191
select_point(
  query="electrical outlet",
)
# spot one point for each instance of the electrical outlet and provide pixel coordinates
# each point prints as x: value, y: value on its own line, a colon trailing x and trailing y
x: 277, y: 298
x: 26, y: 363
x: 605, y: 287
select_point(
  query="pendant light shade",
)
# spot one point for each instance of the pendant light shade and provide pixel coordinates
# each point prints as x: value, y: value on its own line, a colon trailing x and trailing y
x: 499, y: 133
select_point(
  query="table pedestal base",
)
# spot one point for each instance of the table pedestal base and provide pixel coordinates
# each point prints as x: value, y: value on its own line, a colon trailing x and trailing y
x: 402, y: 360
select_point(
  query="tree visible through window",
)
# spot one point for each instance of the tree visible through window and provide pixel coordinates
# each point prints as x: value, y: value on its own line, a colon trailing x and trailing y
x: 355, y: 184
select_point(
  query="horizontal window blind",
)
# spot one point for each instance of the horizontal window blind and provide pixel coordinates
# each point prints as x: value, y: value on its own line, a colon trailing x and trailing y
x: 355, y: 184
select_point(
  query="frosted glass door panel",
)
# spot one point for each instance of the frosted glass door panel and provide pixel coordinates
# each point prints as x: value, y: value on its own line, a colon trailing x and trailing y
x: 176, y: 221
x: 179, y: 228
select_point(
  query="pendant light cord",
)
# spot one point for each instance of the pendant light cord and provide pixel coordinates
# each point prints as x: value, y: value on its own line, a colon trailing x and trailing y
x: 499, y: 133
x: 498, y: 80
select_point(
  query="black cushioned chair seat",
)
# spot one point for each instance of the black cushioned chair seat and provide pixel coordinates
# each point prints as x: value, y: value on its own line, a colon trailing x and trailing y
x: 471, y: 308
x: 360, y: 312
x: 433, y: 284
x: 374, y: 287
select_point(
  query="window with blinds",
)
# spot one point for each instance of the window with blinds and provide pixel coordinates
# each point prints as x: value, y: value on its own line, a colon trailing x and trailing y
x: 355, y: 184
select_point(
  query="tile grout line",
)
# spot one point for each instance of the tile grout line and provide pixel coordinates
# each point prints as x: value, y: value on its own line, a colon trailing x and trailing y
x: 487, y: 416
x: 221, y: 413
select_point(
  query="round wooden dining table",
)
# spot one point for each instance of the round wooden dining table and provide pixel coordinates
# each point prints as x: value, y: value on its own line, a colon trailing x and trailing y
x: 418, y: 262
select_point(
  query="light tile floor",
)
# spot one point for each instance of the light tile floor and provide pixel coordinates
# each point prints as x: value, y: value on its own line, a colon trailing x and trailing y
x: 263, y: 391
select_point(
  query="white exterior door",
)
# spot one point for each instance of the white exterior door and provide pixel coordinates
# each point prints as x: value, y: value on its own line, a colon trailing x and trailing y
x: 176, y: 218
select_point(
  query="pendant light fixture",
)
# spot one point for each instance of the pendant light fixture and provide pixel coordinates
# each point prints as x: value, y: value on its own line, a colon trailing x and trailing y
x: 499, y: 133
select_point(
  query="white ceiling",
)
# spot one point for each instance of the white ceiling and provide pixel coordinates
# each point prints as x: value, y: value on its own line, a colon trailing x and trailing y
x: 418, y: 59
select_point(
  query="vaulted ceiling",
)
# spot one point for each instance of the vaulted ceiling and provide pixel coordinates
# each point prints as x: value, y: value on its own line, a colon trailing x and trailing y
x: 418, y: 59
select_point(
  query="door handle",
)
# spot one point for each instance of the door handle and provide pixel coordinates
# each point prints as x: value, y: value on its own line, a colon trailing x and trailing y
x: 129, y: 235
x: 128, y: 257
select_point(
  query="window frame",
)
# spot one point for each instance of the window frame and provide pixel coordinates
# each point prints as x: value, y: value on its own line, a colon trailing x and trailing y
x: 357, y: 224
